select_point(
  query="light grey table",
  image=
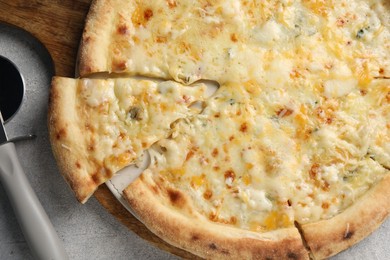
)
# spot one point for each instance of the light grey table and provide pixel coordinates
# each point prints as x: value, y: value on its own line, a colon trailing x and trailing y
x: 88, y: 231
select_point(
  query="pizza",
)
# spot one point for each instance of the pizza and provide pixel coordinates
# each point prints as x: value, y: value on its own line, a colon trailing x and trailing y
x: 288, y: 159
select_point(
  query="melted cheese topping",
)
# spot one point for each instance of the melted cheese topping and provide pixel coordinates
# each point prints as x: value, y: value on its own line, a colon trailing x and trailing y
x: 297, y: 131
x: 123, y: 117
x: 262, y: 160
x: 378, y: 95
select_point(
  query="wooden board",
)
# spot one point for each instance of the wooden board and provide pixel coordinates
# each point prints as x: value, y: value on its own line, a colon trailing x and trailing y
x: 58, y: 25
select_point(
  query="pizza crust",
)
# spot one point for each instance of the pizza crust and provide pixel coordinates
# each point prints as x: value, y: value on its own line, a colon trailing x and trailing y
x: 329, y: 237
x: 156, y: 208
x: 66, y: 139
x: 95, y: 41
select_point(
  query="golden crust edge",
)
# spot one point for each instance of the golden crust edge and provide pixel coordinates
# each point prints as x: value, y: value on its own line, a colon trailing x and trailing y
x: 95, y: 40
x: 209, y: 240
x: 66, y: 138
x: 328, y: 237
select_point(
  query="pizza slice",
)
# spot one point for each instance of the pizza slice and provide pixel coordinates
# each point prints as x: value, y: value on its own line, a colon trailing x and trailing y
x: 235, y: 41
x: 182, y: 40
x: 99, y: 126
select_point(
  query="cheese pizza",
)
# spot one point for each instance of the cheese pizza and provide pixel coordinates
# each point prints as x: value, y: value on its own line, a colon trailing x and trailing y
x: 288, y: 159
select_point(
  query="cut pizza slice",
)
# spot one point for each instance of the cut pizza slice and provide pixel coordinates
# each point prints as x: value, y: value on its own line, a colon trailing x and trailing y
x: 182, y: 40
x: 99, y: 126
x: 235, y: 41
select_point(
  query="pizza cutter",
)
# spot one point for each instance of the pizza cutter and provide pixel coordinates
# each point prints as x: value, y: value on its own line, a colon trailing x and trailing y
x: 34, y: 222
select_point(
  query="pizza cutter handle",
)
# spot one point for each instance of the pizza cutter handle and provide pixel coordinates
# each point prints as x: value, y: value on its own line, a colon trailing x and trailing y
x: 35, y: 224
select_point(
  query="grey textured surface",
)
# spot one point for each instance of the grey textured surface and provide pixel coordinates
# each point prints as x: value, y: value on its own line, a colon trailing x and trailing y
x: 88, y: 231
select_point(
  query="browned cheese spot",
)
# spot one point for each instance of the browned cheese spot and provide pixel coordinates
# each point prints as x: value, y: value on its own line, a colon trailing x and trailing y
x: 315, y: 168
x: 325, y: 205
x: 229, y: 178
x: 283, y: 112
x: 186, y: 99
x: 96, y: 177
x: 191, y: 152
x: 244, y: 127
x: 230, y: 174
x: 118, y: 66
x: 325, y: 114
x: 295, y: 74
x: 207, y: 194
x: 91, y: 147
x: 161, y: 39
x: 189, y: 155
x: 171, y: 3
x: 215, y: 152
x: 233, y: 37
x: 148, y: 13
x: 214, y: 217
x: 122, y: 29
x: 90, y: 128
x: 325, y: 186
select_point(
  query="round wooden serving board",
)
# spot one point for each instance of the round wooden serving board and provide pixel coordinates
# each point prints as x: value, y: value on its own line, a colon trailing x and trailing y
x: 58, y: 25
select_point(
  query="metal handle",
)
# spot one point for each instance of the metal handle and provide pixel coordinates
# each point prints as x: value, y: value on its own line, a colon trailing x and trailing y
x: 35, y: 224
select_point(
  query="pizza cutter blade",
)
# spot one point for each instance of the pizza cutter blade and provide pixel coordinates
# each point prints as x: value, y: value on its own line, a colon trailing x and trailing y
x: 35, y: 224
